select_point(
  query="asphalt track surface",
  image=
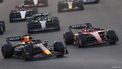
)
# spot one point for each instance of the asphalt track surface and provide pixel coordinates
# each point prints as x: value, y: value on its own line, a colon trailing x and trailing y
x: 106, y: 14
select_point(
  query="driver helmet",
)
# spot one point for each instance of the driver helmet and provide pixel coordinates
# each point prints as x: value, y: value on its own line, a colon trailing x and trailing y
x: 26, y: 39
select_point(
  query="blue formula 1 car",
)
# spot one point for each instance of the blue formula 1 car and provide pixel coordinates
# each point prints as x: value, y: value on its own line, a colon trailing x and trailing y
x: 20, y: 47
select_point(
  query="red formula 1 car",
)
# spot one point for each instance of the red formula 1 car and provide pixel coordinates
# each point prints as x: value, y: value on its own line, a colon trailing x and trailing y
x: 89, y: 35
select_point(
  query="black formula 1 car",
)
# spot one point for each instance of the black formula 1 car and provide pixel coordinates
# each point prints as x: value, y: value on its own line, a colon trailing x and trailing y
x: 42, y: 22
x: 70, y: 5
x: 90, y: 1
x: 2, y: 27
x: 21, y: 13
x: 89, y: 35
x: 35, y: 3
x: 34, y: 50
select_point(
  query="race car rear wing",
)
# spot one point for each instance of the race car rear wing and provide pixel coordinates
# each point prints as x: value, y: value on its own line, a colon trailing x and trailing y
x: 16, y: 38
x: 80, y: 26
x: 77, y: 26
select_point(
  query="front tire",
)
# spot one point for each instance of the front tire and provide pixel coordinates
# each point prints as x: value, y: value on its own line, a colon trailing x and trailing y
x: 81, y: 41
x: 81, y: 6
x: 112, y: 37
x: 26, y: 53
x: 60, y: 48
x: 56, y: 23
x: 68, y: 38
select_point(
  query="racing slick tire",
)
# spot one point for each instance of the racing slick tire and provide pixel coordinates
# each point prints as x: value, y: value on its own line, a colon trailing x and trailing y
x: 59, y: 8
x: 112, y: 37
x: 7, y: 51
x: 68, y: 38
x: 81, y: 6
x: 56, y: 23
x: 26, y: 53
x: 60, y: 48
x: 30, y: 31
x: 81, y: 41
x: 2, y: 27
x: 11, y: 19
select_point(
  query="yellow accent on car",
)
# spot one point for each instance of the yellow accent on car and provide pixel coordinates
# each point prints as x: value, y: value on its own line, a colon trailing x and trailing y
x: 47, y: 52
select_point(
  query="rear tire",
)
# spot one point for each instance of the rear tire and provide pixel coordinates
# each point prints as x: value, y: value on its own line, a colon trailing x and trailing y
x: 11, y: 21
x: 81, y: 6
x: 11, y: 17
x: 56, y: 23
x: 7, y: 51
x: 112, y: 37
x: 59, y: 8
x: 30, y: 32
x: 29, y: 29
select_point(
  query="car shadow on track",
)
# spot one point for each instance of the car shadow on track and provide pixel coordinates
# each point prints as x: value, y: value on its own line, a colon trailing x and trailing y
x: 34, y: 59
x: 95, y: 46
x: 101, y: 45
